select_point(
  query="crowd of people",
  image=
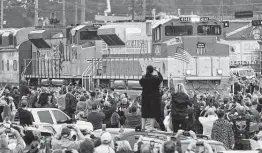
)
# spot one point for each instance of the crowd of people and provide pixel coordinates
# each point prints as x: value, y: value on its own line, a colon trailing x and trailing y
x: 225, y: 118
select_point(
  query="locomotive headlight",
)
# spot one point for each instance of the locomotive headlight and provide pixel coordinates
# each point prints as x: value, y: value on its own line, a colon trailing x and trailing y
x: 219, y: 71
x: 188, y: 72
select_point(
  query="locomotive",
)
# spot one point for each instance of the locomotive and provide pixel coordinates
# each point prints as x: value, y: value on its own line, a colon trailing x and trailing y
x: 59, y: 54
x: 187, y: 49
x: 14, y: 46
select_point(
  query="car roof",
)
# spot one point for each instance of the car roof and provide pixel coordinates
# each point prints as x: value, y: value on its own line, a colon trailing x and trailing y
x: 42, y: 109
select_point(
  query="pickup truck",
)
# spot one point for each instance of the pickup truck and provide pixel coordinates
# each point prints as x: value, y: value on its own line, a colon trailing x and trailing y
x: 53, y: 119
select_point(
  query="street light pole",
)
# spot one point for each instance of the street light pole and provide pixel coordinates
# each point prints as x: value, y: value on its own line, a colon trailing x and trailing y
x: 36, y: 12
x: 64, y: 15
x: 2, y: 14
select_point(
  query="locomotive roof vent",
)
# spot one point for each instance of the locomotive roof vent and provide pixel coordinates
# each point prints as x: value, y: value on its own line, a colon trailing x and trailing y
x: 112, y: 35
x: 39, y: 37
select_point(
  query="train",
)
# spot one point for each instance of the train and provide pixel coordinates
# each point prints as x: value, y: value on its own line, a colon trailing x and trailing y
x: 186, y: 49
x: 14, y: 46
x: 59, y: 54
x: 189, y: 49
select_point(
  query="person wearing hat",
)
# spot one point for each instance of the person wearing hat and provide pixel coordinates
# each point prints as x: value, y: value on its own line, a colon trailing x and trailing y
x: 106, y: 146
x: 207, y: 122
x: 64, y: 140
x: 25, y: 116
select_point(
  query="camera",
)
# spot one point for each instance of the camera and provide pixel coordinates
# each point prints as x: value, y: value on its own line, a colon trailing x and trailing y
x: 200, y: 143
x: 186, y: 133
x: 8, y: 130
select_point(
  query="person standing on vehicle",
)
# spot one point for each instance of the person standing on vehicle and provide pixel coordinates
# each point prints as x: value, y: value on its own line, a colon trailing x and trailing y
x: 151, y: 97
x: 179, y: 110
x: 222, y: 131
x: 70, y: 103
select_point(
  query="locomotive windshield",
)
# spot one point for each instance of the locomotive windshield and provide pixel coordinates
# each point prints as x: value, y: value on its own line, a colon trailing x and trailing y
x: 183, y: 30
x: 89, y: 35
x: 209, y: 30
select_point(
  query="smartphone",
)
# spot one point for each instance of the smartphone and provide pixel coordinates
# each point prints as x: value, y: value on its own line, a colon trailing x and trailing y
x: 152, y: 144
x: 103, y: 127
x: 70, y: 126
x: 8, y: 130
x: 173, y: 138
x: 186, y: 133
x: 200, y: 143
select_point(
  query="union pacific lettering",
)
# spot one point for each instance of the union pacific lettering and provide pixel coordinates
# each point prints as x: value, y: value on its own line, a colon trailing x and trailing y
x: 136, y: 44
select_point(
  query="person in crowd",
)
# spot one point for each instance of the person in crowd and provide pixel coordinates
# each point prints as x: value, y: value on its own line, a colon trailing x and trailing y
x: 96, y: 117
x: 43, y: 101
x: 201, y: 147
x: 86, y: 146
x: 170, y: 147
x: 5, y: 147
x: 32, y: 99
x: 106, y: 146
x: 222, y: 131
x: 70, y: 103
x: 123, y: 147
x: 64, y: 140
x: 15, y: 95
x: 92, y: 100
x: 179, y: 110
x: 115, y: 119
x: 108, y: 110
x: 151, y: 98
x: 81, y: 109
x: 207, y: 122
x: 23, y: 89
x: 25, y: 116
x: 133, y: 118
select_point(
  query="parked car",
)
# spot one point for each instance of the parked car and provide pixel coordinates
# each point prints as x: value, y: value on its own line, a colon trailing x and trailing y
x: 53, y: 119
x: 132, y: 137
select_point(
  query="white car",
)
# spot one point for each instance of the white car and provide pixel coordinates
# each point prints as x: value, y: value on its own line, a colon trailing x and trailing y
x: 53, y: 119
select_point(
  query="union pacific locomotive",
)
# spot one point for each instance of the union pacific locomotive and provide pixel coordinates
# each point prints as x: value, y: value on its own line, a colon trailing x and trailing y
x: 189, y: 49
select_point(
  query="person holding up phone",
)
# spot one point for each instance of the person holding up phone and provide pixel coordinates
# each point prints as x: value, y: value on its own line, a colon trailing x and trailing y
x: 199, y: 147
x: 151, y: 97
x: 4, y: 141
x: 63, y: 140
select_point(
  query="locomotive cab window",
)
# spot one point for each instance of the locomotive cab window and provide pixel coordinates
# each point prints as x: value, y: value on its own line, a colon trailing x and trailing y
x: 89, y: 35
x: 209, y: 30
x: 15, y: 65
x: 183, y: 30
x: 157, y: 33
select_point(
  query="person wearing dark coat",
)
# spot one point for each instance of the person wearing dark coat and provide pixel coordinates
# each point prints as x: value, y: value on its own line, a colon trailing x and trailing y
x: 151, y: 97
x: 179, y: 110
x: 70, y: 103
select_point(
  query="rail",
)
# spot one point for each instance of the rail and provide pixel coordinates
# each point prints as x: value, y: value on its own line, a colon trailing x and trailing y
x: 23, y: 73
x: 83, y: 75
x: 42, y: 68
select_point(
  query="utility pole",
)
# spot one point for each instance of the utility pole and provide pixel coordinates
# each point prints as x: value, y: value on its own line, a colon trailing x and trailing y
x: 144, y: 9
x: 133, y: 10
x: 76, y: 9
x: 221, y: 10
x: 64, y: 14
x: 36, y: 12
x: 83, y: 11
x: 2, y: 14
